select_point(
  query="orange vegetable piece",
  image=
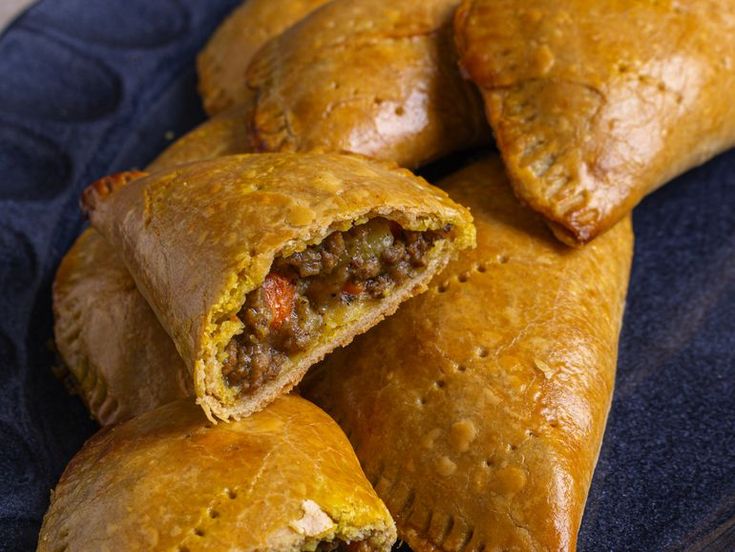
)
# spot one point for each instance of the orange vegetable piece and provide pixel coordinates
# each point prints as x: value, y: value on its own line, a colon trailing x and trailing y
x: 279, y: 295
x: 352, y: 288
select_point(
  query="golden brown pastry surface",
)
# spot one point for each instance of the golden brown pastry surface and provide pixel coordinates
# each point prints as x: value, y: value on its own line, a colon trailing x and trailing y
x: 199, y: 238
x: 284, y: 479
x: 478, y: 409
x: 596, y: 104
x: 121, y: 360
x: 222, y: 63
x: 367, y: 76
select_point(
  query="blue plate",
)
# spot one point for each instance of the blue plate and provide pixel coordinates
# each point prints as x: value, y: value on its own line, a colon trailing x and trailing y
x: 88, y: 88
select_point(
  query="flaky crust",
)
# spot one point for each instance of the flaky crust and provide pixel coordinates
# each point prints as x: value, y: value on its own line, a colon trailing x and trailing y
x: 596, y: 104
x: 477, y: 411
x: 281, y: 480
x: 367, y: 76
x: 198, y: 238
x: 121, y: 360
x: 222, y: 63
x: 107, y: 335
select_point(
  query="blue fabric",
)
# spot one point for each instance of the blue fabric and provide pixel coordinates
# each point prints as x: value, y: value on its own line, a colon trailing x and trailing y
x: 87, y: 88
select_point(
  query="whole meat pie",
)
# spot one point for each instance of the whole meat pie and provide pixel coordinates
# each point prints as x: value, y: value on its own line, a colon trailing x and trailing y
x: 478, y: 410
x: 374, y: 77
x: 595, y: 104
x: 282, y: 480
x: 259, y: 265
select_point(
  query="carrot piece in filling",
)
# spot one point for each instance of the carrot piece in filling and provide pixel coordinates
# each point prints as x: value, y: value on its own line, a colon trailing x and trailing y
x: 279, y: 295
x: 353, y: 288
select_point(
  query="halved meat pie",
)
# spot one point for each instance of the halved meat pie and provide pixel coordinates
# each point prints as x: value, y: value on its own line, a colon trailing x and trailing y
x: 259, y: 265
x: 283, y: 480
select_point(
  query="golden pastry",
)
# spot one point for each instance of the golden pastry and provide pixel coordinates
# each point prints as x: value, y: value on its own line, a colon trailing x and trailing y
x: 594, y: 105
x: 284, y: 479
x: 477, y: 411
x: 120, y: 359
x: 122, y: 362
x: 221, y: 64
x: 259, y: 265
x: 367, y: 76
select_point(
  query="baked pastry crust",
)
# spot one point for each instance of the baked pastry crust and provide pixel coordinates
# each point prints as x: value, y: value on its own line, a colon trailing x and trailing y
x: 121, y: 360
x: 284, y: 479
x: 478, y: 409
x: 594, y: 105
x: 370, y: 77
x: 222, y: 63
x: 199, y: 238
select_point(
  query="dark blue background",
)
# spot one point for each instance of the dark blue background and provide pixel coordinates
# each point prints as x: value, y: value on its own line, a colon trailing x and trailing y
x: 87, y: 88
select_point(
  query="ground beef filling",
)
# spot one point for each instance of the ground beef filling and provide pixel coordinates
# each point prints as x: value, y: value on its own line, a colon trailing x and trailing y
x: 284, y: 315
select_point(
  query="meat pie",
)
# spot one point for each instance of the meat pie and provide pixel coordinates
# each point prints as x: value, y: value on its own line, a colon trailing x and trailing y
x: 596, y: 104
x: 259, y: 265
x: 478, y: 409
x: 282, y: 480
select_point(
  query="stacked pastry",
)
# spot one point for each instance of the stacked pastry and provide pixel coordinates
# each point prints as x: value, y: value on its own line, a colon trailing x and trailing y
x: 264, y: 249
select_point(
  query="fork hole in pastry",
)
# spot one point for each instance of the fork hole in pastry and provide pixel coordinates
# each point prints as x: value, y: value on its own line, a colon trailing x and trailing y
x: 213, y: 514
x: 481, y: 268
x: 464, y: 277
x: 440, y: 384
x: 482, y: 352
x: 502, y: 259
x: 231, y: 494
x: 317, y: 288
x: 199, y: 532
x: 443, y: 287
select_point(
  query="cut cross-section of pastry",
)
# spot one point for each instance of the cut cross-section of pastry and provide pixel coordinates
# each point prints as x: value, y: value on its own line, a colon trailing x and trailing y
x: 285, y: 479
x: 259, y: 265
x: 596, y: 104
x: 222, y: 63
x: 367, y: 76
x: 478, y: 409
x: 120, y: 359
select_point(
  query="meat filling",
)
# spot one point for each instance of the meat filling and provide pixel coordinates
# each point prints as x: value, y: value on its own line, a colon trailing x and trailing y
x: 286, y: 313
